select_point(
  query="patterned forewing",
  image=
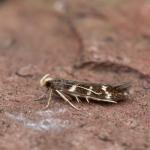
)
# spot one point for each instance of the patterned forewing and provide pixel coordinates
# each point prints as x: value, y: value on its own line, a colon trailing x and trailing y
x: 83, y: 90
x: 99, y: 91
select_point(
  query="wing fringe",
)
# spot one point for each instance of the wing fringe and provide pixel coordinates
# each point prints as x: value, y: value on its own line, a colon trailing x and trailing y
x: 123, y: 87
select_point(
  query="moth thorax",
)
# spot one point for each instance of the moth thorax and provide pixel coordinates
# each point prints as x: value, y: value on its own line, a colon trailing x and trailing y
x: 46, y: 80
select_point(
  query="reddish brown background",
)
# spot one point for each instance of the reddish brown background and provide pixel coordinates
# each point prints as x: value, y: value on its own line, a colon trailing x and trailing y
x: 104, y: 41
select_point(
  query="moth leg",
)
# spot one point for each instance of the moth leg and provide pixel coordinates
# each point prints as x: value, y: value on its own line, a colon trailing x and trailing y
x: 44, y: 96
x: 40, y: 98
x: 49, y: 99
x: 67, y: 100
x: 77, y: 98
x: 87, y: 99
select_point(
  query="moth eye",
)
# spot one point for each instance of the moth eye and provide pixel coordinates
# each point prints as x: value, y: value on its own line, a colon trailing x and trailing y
x: 48, y: 84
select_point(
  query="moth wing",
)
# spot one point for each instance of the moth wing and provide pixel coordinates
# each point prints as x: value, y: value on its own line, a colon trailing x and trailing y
x: 102, y: 99
x: 115, y: 91
x: 123, y: 87
x: 77, y: 94
x: 70, y: 82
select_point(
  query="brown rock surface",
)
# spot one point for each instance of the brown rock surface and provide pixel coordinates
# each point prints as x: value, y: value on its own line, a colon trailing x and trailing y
x: 98, y: 41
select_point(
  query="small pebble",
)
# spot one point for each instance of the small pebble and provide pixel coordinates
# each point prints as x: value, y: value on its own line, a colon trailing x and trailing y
x: 104, y: 136
x: 27, y: 71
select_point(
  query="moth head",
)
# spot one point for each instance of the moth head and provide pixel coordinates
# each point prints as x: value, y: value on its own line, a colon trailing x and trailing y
x: 46, y: 81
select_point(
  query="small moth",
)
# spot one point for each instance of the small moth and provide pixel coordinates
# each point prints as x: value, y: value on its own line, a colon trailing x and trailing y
x: 68, y: 90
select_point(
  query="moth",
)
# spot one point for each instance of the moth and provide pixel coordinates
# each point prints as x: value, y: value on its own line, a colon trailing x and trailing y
x: 69, y: 90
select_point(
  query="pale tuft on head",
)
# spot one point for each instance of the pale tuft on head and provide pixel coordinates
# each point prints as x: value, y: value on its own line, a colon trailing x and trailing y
x: 44, y: 79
